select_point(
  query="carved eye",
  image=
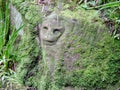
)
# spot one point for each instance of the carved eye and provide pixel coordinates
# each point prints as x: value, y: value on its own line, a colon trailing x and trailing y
x: 46, y: 28
x: 55, y: 31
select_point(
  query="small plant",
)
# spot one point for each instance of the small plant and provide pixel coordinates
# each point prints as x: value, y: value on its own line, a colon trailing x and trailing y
x: 7, y: 40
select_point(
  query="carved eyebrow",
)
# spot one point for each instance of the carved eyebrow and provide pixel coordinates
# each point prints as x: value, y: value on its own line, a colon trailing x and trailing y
x: 45, y: 24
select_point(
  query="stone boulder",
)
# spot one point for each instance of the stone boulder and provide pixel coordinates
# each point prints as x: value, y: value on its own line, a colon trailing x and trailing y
x: 75, y: 50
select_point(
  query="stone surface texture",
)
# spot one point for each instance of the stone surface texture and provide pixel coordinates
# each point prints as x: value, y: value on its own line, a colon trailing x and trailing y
x: 74, y: 52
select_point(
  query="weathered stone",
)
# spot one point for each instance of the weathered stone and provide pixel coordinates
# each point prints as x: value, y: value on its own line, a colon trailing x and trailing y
x: 16, y: 19
x: 27, y: 48
x: 53, y: 31
x: 76, y: 48
x: 79, y: 43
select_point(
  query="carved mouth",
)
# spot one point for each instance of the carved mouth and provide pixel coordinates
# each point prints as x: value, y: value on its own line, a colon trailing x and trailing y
x: 48, y: 42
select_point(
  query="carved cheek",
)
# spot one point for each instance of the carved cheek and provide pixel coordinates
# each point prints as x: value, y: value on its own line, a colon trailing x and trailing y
x: 43, y: 32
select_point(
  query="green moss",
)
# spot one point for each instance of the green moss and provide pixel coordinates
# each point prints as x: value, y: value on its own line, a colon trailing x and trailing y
x: 29, y: 10
x: 33, y: 15
x: 79, y: 14
x: 28, y: 49
x: 99, y: 58
x: 28, y: 52
x: 99, y: 62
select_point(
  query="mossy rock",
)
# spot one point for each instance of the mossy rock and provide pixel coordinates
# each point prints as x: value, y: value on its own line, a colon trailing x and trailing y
x: 96, y: 54
x: 27, y: 48
x: 89, y: 56
x: 29, y: 9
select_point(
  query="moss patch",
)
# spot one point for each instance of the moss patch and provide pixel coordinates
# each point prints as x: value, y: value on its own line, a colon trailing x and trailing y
x: 99, y: 54
x: 29, y: 10
x: 98, y: 62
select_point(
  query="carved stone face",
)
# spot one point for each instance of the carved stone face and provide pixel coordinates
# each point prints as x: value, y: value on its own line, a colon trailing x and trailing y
x: 51, y: 30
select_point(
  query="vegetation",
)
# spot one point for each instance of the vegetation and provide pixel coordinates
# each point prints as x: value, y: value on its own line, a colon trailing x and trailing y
x: 8, y: 36
x: 109, y: 10
x: 98, y: 74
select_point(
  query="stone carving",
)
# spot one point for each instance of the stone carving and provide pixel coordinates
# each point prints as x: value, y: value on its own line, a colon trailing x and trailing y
x: 67, y: 39
x: 51, y: 30
x: 81, y: 46
x: 53, y: 33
